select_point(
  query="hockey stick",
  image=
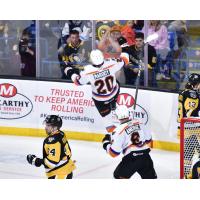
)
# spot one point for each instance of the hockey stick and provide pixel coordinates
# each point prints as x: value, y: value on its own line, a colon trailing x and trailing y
x: 139, y: 62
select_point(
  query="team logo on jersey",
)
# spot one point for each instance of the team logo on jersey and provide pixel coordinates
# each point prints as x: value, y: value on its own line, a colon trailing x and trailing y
x: 13, y: 105
x: 50, y: 139
x: 128, y: 100
x: 101, y: 74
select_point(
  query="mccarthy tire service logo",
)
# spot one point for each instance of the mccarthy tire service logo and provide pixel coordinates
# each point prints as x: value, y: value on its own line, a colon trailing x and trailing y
x: 13, y: 105
x: 128, y: 100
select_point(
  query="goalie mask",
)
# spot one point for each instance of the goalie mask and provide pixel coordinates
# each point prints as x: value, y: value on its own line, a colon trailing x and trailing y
x: 122, y: 112
x: 96, y: 57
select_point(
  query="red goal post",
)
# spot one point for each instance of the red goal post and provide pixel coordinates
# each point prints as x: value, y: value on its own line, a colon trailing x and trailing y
x: 189, y: 143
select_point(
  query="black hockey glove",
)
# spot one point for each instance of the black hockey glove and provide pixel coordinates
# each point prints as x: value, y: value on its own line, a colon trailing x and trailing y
x: 69, y: 71
x: 106, y: 141
x: 33, y: 160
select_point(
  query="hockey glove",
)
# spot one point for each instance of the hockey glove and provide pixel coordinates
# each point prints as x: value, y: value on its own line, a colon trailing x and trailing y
x: 69, y: 71
x: 74, y: 77
x: 106, y: 141
x: 33, y: 160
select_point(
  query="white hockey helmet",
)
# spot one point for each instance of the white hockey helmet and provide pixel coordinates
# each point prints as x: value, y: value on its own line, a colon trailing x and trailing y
x: 96, y: 57
x: 122, y: 112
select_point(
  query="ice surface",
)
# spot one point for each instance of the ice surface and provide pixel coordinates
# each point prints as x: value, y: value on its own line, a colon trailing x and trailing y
x: 91, y: 160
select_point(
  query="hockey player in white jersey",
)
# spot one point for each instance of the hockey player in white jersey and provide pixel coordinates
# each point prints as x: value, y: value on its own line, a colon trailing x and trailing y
x: 101, y: 76
x: 133, y: 141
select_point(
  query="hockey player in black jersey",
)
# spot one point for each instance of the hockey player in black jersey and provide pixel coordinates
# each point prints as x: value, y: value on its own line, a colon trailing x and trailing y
x: 56, y: 151
x: 130, y: 139
x: 188, y: 100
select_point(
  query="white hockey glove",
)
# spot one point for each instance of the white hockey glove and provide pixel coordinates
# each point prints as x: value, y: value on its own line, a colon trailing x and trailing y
x: 75, y: 77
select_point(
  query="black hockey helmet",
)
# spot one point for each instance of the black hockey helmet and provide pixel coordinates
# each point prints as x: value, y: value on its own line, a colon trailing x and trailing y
x: 53, y: 120
x: 194, y: 79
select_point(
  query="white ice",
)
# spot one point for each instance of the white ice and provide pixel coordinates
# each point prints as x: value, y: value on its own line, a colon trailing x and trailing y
x: 91, y: 160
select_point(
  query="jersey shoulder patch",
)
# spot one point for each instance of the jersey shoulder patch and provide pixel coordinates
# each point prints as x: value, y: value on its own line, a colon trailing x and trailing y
x: 50, y: 140
x: 54, y: 138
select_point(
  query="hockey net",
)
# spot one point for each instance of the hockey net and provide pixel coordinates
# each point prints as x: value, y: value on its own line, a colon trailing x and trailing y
x: 190, y: 144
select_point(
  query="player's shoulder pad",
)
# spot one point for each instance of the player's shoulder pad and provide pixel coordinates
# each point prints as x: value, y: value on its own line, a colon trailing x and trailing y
x: 193, y: 94
x: 180, y: 97
x: 184, y: 93
x: 50, y: 139
x: 89, y: 68
x: 190, y: 94
x: 110, y: 59
x: 54, y: 138
x: 113, y: 60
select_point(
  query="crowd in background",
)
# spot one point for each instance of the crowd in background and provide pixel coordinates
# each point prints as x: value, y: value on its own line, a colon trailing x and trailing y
x: 64, y: 43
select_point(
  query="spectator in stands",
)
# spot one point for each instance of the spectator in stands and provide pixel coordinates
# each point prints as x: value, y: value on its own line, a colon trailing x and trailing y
x: 161, y: 45
x: 83, y: 27
x: 128, y: 33
x: 111, y: 45
x: 6, y: 39
x: 138, y: 25
x: 72, y: 53
x: 179, y: 26
x: 27, y: 51
x: 137, y: 52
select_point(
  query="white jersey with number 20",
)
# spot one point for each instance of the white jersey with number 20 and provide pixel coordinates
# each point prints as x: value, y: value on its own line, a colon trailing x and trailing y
x: 103, y: 79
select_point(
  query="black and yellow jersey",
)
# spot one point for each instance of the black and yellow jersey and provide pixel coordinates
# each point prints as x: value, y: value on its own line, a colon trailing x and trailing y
x: 188, y: 104
x: 57, y: 155
x: 71, y: 53
x: 138, y: 54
